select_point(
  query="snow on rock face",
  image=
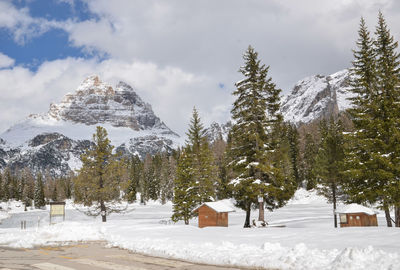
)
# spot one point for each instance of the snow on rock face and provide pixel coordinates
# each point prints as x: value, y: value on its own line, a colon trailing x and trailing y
x: 97, y: 102
x: 317, y: 97
x: 55, y: 140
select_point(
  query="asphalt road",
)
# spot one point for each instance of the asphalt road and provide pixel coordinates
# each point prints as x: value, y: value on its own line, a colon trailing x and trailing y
x: 89, y: 256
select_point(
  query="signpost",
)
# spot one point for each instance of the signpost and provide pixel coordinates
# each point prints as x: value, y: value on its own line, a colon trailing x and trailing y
x: 57, y: 209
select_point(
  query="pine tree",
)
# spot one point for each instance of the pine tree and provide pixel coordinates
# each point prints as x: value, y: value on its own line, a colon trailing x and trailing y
x: 388, y: 73
x: 28, y: 194
x: 219, y: 148
x: 256, y: 140
x: 21, y: 181
x: 135, y: 174
x: 293, y: 137
x: 167, y: 178
x: 7, y: 188
x: 185, y: 193
x: 374, y: 150
x: 196, y: 132
x: 39, y: 199
x: 1, y: 188
x: 309, y: 155
x: 329, y: 161
x: 54, y: 192
x: 98, y: 181
x: 204, y: 171
x: 359, y: 162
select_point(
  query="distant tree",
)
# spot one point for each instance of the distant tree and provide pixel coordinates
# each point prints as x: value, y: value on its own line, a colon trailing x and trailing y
x: 309, y: 156
x: 39, y: 198
x: 98, y: 182
x: 167, y: 176
x: 7, y: 187
x: 294, y: 152
x: 1, y: 187
x: 219, y: 148
x: 135, y: 174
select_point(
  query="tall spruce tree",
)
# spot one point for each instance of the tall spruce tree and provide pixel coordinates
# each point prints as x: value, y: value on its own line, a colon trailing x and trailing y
x: 256, y: 139
x: 374, y: 151
x: 185, y: 194
x: 329, y: 161
x: 98, y: 182
x: 388, y: 73
x: 204, y: 171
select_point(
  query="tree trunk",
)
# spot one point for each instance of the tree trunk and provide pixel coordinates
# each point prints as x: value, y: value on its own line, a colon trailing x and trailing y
x: 261, y: 211
x: 397, y: 216
x: 334, y: 205
x: 247, y: 221
x: 103, y: 211
x: 387, y: 215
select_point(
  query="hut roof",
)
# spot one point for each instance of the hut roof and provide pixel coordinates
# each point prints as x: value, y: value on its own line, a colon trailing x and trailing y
x: 219, y: 207
x: 356, y: 208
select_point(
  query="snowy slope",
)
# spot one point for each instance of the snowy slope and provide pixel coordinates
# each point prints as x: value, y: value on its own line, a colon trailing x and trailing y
x: 55, y: 140
x: 317, y: 97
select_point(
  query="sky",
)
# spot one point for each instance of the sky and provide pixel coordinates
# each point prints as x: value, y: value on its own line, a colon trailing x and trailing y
x: 177, y: 54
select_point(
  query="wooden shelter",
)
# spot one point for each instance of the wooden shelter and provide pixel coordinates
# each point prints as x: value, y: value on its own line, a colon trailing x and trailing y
x: 357, y: 215
x: 213, y: 214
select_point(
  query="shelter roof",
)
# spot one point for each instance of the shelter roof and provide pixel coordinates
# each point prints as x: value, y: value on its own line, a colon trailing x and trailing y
x: 356, y: 208
x: 219, y: 207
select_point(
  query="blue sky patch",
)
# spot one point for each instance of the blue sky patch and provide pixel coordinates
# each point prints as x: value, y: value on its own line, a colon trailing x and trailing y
x: 51, y: 45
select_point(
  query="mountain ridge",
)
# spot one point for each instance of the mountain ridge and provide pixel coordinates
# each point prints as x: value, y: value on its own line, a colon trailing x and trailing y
x: 55, y: 140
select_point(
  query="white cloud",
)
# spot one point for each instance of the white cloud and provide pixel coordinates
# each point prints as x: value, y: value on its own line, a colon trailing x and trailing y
x: 171, y: 91
x: 6, y: 61
x: 177, y: 52
x: 296, y: 38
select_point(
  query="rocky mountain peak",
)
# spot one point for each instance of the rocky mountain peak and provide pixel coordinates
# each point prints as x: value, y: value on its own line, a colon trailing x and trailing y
x: 317, y: 97
x: 54, y: 141
x: 96, y: 102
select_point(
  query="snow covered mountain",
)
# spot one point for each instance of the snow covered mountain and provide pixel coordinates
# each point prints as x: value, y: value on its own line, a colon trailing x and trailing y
x: 55, y: 140
x: 216, y: 131
x: 317, y: 97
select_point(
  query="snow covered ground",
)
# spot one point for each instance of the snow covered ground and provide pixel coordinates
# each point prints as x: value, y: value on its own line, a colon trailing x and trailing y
x: 308, y: 241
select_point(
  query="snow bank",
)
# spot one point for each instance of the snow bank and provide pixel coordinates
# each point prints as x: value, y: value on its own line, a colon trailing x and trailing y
x: 62, y: 233
x: 3, y: 215
x: 303, y: 196
x: 269, y: 255
x: 308, y: 241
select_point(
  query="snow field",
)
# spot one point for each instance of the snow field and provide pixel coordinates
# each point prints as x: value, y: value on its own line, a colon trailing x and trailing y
x: 308, y: 242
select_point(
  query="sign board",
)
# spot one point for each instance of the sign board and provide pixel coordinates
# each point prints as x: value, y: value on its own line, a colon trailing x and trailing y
x: 260, y: 199
x: 57, y: 209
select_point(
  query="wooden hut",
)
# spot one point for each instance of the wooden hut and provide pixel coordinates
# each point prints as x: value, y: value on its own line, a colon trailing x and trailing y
x: 213, y: 214
x: 357, y: 215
